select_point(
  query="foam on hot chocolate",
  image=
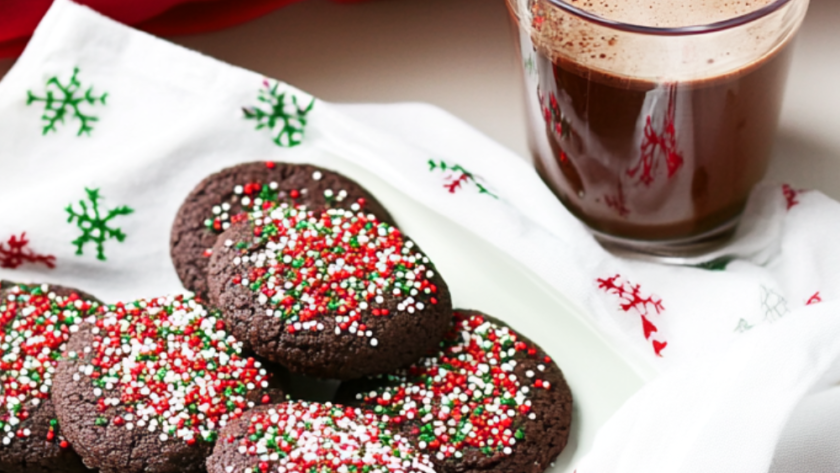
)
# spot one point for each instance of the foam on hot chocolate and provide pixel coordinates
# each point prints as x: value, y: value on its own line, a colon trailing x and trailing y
x: 565, y: 37
x: 670, y: 13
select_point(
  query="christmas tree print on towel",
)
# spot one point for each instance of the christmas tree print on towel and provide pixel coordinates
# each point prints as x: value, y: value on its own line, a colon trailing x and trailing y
x: 283, y: 113
x: 16, y: 252
x: 61, y: 101
x: 93, y: 225
x: 455, y: 177
x: 631, y: 301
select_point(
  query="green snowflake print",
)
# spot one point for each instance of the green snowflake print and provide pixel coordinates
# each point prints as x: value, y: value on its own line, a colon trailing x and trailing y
x: 283, y: 113
x: 743, y: 326
x: 456, y: 176
x: 94, y: 227
x: 530, y: 66
x: 63, y: 100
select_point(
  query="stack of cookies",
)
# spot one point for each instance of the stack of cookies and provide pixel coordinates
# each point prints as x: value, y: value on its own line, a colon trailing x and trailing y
x: 289, y: 266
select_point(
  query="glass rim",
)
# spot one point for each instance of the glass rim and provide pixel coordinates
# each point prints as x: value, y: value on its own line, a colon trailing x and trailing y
x: 673, y: 31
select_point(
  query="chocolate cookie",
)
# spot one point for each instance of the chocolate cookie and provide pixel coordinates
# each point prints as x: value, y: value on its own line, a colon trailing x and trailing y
x: 220, y: 200
x: 330, y: 294
x: 146, y: 386
x: 35, y: 323
x: 489, y: 401
x: 308, y: 437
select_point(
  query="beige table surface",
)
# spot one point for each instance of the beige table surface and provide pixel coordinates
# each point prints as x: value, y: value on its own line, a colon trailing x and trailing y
x: 459, y: 55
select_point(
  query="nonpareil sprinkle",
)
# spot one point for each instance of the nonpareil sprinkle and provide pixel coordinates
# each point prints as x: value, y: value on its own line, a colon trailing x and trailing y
x: 251, y: 196
x: 171, y: 367
x: 336, y: 263
x: 468, y: 396
x: 307, y: 437
x: 35, y: 324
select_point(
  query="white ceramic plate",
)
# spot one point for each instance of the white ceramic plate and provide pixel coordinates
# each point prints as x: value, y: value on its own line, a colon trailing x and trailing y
x: 482, y: 278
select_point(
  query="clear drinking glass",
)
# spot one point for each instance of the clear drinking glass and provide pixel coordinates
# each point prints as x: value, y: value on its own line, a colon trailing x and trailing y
x: 649, y: 128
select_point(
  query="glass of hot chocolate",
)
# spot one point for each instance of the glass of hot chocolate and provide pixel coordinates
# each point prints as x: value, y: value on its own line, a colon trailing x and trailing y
x: 652, y: 120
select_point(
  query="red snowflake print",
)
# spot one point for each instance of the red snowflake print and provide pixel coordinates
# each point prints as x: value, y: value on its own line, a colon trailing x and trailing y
x: 658, y: 144
x: 555, y: 105
x: 815, y: 299
x: 15, y: 252
x: 553, y: 115
x: 545, y: 110
x: 658, y: 347
x: 631, y: 300
x: 791, y: 196
x: 456, y: 182
x: 618, y: 202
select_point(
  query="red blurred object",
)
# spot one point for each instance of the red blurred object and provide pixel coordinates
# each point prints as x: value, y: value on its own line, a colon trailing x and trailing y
x: 18, y: 18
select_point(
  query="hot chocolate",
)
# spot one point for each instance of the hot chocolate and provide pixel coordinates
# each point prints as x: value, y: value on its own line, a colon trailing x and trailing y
x: 649, y: 142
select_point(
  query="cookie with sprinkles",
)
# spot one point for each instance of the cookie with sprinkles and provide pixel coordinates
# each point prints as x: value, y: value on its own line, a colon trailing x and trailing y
x: 36, y: 321
x: 147, y: 385
x: 489, y: 401
x: 222, y: 198
x: 302, y: 437
x: 331, y: 294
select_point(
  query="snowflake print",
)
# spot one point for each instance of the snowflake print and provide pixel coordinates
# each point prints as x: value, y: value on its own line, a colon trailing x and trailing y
x: 93, y: 225
x: 774, y: 307
x: 657, y: 145
x: 285, y: 114
x: 618, y: 202
x: 455, y: 177
x: 631, y: 300
x: 773, y: 304
x: 743, y: 326
x: 554, y: 117
x: 63, y: 100
x: 815, y: 299
x: 791, y: 196
x: 530, y: 66
x: 16, y: 252
x: 630, y: 296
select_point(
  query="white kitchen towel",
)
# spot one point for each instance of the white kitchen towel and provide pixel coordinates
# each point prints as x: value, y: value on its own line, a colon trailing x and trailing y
x: 104, y: 130
x: 778, y: 424
x: 732, y: 410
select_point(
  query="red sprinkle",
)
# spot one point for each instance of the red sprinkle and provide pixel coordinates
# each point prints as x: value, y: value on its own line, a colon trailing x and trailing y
x: 470, y: 385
